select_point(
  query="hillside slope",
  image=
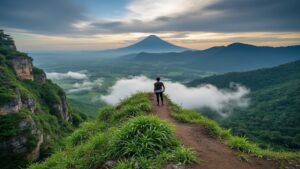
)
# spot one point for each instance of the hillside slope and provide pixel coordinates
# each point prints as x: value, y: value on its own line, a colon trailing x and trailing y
x: 34, y: 113
x: 273, y: 115
x: 212, y: 153
x: 130, y: 135
x: 125, y: 137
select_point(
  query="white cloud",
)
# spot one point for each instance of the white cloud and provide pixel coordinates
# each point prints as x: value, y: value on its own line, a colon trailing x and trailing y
x: 86, y: 85
x: 206, y: 96
x: 68, y: 75
x: 147, y: 10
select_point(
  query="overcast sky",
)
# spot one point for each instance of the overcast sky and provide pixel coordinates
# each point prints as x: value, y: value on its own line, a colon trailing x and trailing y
x: 39, y: 25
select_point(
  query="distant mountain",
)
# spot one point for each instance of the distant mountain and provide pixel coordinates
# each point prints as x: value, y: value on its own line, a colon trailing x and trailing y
x: 234, y: 57
x: 273, y: 115
x: 151, y: 44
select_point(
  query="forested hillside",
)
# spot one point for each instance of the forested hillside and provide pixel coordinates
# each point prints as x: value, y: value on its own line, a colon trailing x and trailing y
x: 273, y: 117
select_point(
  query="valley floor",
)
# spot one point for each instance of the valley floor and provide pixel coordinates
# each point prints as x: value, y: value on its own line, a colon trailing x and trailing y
x: 211, y: 152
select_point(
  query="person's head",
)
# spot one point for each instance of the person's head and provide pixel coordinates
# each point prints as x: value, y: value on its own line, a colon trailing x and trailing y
x: 158, y: 79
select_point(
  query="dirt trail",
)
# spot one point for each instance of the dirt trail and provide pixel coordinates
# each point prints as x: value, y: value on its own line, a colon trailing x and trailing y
x: 211, y: 152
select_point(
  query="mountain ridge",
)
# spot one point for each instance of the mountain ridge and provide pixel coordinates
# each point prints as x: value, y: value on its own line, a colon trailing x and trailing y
x: 151, y: 43
x: 234, y: 57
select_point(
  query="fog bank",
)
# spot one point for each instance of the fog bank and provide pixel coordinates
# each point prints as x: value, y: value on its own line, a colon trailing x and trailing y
x: 205, y: 96
x: 68, y: 75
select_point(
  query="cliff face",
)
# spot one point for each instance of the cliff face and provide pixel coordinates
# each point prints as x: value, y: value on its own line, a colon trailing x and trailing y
x: 40, y: 77
x: 62, y: 107
x: 34, y: 112
x: 23, y: 67
x: 27, y: 143
x: 13, y: 106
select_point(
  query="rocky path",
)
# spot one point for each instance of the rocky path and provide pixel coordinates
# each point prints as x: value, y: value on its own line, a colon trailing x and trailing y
x: 211, y: 152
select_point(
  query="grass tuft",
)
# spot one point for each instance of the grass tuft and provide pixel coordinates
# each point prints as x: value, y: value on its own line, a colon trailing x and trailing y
x: 144, y: 136
x: 184, y: 155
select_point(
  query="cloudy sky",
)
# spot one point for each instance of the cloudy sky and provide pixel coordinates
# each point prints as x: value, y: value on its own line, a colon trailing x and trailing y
x: 53, y: 25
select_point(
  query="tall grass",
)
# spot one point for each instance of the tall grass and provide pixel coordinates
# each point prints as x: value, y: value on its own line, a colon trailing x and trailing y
x: 144, y: 136
x: 124, y: 133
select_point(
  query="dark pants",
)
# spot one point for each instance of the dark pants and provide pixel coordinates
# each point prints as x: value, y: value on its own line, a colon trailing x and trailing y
x: 161, y: 97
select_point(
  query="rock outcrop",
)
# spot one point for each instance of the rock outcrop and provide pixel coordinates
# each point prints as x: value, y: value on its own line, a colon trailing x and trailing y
x: 23, y: 67
x: 12, y: 107
x: 22, y: 144
x: 40, y: 77
x: 29, y: 103
x: 35, y: 154
x: 62, y: 108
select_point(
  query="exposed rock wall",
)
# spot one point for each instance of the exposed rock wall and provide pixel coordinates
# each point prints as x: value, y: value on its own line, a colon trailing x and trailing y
x: 29, y: 103
x: 62, y: 108
x: 35, y: 154
x: 19, y: 145
x: 23, y: 67
x: 41, y: 77
x: 12, y: 107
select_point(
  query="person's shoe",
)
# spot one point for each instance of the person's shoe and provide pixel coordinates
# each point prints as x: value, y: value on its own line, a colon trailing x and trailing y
x: 157, y: 104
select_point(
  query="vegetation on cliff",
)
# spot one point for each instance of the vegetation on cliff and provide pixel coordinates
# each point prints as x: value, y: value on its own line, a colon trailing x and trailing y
x: 34, y: 114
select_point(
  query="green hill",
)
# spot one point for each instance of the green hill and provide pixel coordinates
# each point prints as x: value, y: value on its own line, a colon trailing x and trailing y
x: 125, y: 136
x: 128, y: 136
x: 34, y: 113
x: 273, y: 117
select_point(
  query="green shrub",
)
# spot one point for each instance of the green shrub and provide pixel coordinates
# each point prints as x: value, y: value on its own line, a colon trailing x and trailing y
x: 82, y: 134
x: 125, y: 164
x: 106, y: 113
x: 242, y: 144
x: 134, y: 100
x: 127, y: 111
x: 143, y: 136
x: 145, y: 106
x: 37, y: 71
x: 184, y: 155
x: 140, y: 163
x: 9, y: 125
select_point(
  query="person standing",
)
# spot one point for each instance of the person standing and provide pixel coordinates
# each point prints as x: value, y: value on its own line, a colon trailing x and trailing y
x: 159, y: 88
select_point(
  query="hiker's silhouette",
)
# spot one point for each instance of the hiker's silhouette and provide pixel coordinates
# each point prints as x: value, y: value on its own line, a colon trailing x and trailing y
x: 159, y: 88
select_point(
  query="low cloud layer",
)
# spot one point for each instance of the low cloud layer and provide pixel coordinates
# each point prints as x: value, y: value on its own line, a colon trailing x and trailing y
x: 86, y: 85
x: 206, y: 96
x: 68, y: 75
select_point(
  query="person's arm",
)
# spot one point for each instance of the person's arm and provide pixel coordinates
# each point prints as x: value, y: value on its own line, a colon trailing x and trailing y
x: 163, y: 86
x: 154, y: 88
